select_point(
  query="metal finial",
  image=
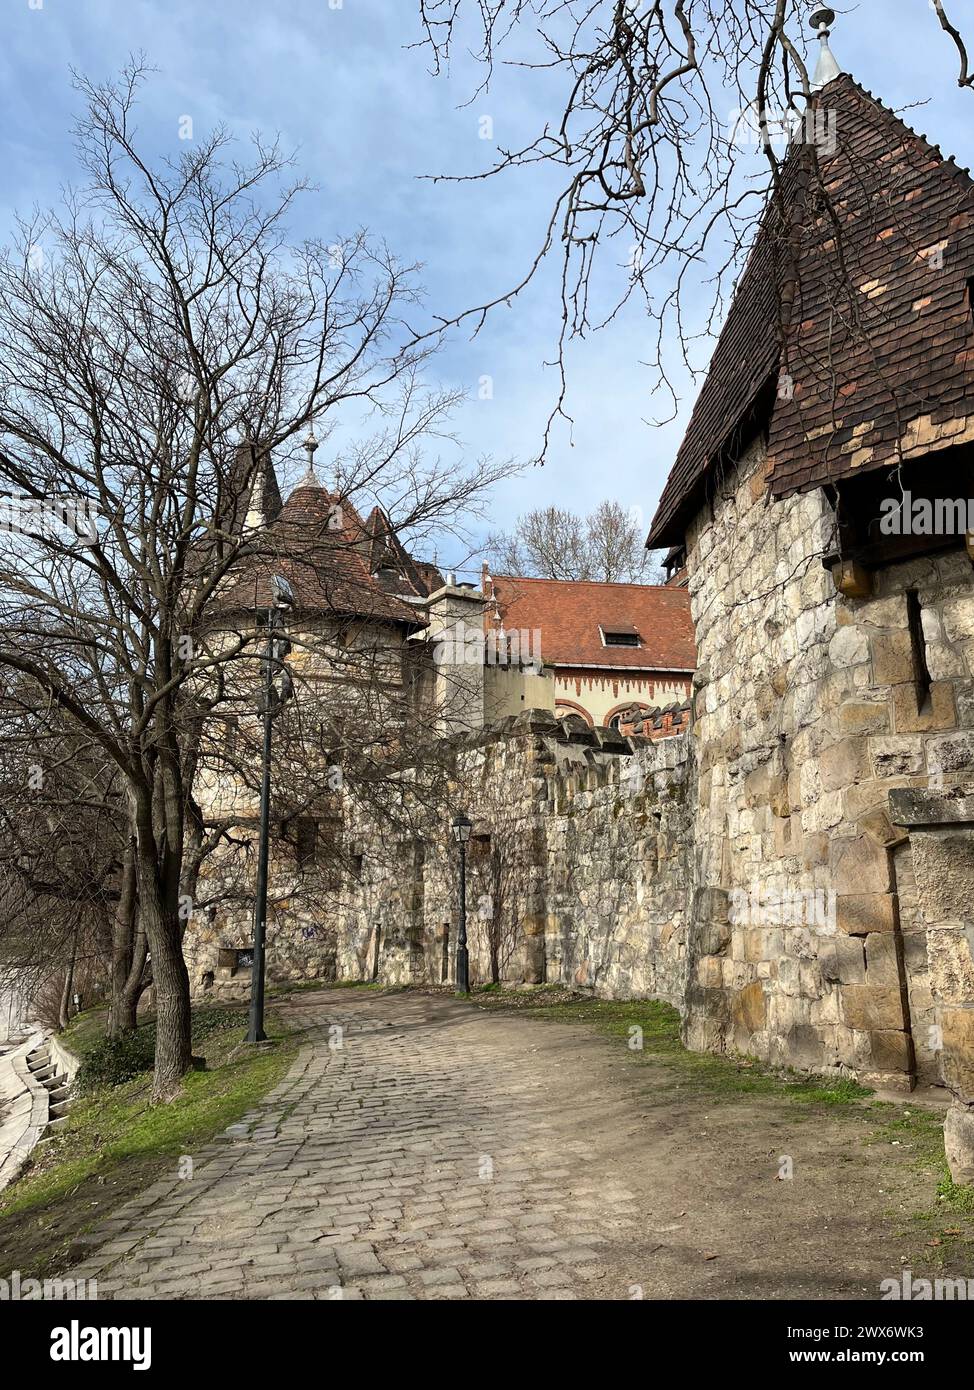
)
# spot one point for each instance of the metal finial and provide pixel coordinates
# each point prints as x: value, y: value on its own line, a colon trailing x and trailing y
x: 827, y: 67
x: 310, y: 445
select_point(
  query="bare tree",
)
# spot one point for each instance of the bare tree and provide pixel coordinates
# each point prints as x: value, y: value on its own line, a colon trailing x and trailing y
x: 62, y: 840
x: 154, y: 321
x: 659, y: 102
x: 554, y: 543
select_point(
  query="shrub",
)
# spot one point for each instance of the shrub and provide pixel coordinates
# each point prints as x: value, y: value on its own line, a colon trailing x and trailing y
x: 113, y: 1061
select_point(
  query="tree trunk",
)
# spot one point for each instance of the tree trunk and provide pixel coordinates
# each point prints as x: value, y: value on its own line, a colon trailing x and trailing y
x: 121, y: 1014
x: 135, y: 985
x: 170, y: 979
x: 64, y: 1013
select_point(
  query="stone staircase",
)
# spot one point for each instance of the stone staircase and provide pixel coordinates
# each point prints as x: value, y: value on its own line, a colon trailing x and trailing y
x: 47, y: 1070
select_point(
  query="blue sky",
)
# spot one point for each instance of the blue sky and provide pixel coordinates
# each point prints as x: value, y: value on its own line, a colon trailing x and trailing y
x: 369, y: 120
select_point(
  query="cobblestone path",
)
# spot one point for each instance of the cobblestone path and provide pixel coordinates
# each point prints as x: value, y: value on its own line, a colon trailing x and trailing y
x: 419, y: 1148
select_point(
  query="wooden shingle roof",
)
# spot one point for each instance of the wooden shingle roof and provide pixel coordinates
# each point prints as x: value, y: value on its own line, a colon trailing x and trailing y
x: 851, y: 335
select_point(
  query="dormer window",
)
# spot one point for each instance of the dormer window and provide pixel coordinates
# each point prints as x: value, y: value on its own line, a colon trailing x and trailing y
x: 619, y: 635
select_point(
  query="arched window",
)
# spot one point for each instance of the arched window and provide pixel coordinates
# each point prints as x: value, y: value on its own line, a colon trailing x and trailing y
x: 563, y: 707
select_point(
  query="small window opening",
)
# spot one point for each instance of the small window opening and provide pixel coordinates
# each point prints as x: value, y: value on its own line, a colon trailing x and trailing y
x: 306, y: 838
x: 620, y: 637
x: 231, y: 737
x: 918, y: 646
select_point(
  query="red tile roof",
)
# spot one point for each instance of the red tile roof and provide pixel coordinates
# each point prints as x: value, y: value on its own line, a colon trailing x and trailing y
x: 570, y: 613
x: 878, y: 333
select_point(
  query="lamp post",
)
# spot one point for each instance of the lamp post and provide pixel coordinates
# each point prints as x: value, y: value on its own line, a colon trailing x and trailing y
x: 461, y: 833
x: 272, y: 698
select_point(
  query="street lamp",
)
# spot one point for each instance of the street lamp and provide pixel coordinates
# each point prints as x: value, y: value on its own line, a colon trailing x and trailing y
x: 273, y: 697
x: 461, y: 833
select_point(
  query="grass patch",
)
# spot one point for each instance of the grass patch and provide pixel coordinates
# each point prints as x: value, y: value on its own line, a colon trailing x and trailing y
x: 651, y: 1029
x: 946, y: 1226
x: 116, y: 1141
x: 112, y: 1061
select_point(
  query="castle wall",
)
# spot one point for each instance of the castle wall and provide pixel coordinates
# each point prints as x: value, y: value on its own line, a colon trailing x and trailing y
x: 794, y: 874
x: 579, y: 872
x: 806, y: 718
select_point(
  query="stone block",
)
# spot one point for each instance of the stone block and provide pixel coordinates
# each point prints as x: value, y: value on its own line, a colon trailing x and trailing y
x: 710, y: 972
x: 843, y: 961
x: 864, y: 797
x: 890, y: 1050
x: 858, y: 865
x: 951, y: 753
x: 844, y: 763
x: 805, y: 1046
x: 880, y: 829
x: 938, y: 713
x: 754, y: 945
x: 824, y: 814
x: 892, y: 657
x: 883, y: 965
x: 713, y: 938
x: 787, y: 837
x: 852, y: 580
x: 735, y: 974
x: 849, y: 646
x: 749, y: 1008
x: 925, y: 806
x: 958, y: 618
x: 959, y: 1143
x: 944, y: 866
x: 778, y: 796
x: 815, y: 849
x: 872, y: 1008
x: 857, y: 914
x: 957, y: 1060
x: 951, y: 965
x: 711, y: 904
x: 864, y: 717
x: 896, y: 755
x: 756, y: 785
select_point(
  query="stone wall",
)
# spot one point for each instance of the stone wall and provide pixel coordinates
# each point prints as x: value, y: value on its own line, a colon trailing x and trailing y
x: 771, y: 872
x: 578, y: 867
x: 579, y: 872
x: 807, y: 717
